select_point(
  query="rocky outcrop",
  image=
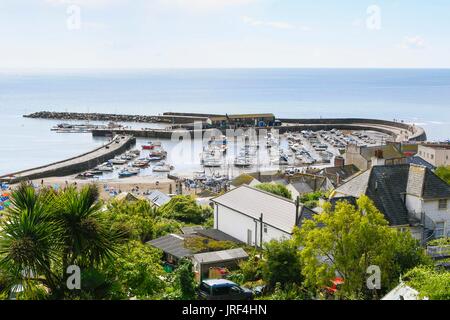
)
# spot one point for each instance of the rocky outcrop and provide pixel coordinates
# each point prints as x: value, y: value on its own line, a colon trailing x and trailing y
x: 93, y: 117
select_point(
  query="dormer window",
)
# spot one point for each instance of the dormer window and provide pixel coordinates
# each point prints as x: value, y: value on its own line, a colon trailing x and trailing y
x: 443, y: 204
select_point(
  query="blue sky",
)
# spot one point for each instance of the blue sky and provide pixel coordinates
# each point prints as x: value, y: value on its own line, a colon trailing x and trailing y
x: 48, y: 34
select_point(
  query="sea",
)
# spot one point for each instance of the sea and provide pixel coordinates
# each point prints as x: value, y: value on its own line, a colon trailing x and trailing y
x: 420, y: 96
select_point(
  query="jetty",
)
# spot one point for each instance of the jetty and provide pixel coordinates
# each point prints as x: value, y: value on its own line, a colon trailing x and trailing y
x: 118, y: 145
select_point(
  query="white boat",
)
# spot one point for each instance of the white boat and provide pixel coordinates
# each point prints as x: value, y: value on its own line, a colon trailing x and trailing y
x: 212, y: 163
x: 242, y: 162
x: 118, y: 161
x: 105, y: 168
x: 164, y: 168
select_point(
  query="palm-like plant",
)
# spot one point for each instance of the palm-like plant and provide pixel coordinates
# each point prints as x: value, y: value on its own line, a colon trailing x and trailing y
x: 29, y: 242
x: 45, y: 232
x: 88, y: 238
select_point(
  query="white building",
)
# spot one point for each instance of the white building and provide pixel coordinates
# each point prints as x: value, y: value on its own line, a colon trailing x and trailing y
x: 410, y: 197
x: 254, y: 216
x: 436, y: 154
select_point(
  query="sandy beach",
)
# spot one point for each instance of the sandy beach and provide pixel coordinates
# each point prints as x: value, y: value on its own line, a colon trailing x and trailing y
x: 136, y: 185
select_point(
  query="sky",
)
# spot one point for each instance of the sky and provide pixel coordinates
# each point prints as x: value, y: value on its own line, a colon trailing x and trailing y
x: 110, y: 34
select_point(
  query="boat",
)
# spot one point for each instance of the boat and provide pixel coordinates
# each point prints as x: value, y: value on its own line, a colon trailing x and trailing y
x: 158, y: 153
x: 129, y: 172
x: 140, y: 163
x: 242, y: 162
x: 151, y: 145
x: 148, y: 146
x: 118, y: 160
x: 95, y: 172
x: 212, y: 164
x: 162, y: 168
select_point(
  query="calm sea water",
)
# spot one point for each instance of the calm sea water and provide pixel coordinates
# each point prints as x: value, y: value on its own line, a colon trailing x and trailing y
x: 419, y: 96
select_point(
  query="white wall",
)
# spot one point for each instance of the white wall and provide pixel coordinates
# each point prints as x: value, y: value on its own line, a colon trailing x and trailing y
x: 416, y: 205
x: 237, y: 225
x: 431, y: 208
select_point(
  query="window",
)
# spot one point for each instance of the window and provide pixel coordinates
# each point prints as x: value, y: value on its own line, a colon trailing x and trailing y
x: 432, y: 156
x: 439, y: 231
x: 443, y: 204
x: 220, y: 291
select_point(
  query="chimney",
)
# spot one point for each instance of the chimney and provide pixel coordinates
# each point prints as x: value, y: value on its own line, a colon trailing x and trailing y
x: 339, y: 161
x: 379, y: 154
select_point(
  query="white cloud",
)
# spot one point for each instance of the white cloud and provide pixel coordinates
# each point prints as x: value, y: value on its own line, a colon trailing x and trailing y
x: 413, y: 42
x: 272, y: 24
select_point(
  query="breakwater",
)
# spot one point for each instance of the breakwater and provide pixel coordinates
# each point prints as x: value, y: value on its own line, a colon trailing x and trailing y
x: 169, y: 118
x: 117, y: 145
x: 398, y: 131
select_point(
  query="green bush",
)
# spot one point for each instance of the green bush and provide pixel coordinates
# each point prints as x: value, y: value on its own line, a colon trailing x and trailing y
x: 276, y: 189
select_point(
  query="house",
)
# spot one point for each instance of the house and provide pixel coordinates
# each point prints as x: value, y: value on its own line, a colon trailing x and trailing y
x: 158, y: 198
x: 438, y: 154
x: 410, y: 197
x: 203, y: 263
x: 254, y: 216
x: 339, y: 174
x: 302, y: 183
x: 298, y: 184
x: 402, y: 292
x: 126, y: 196
x: 365, y: 157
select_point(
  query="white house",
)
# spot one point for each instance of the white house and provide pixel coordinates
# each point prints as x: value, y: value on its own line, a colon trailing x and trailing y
x: 254, y: 216
x: 410, y: 197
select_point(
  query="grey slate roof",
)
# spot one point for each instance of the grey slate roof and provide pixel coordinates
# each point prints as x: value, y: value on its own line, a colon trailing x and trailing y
x: 221, y: 256
x: 344, y: 173
x: 386, y: 187
x: 355, y: 187
x: 191, y: 229
x: 217, y: 235
x: 435, y: 187
x: 419, y: 161
x: 172, y: 244
x: 158, y: 198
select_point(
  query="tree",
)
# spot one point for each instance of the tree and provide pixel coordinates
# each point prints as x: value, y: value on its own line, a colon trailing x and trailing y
x: 277, y: 189
x: 347, y: 240
x: 138, y: 270
x: 138, y: 220
x: 430, y: 282
x: 282, y: 263
x: 44, y: 232
x: 444, y: 173
x: 185, y: 209
x: 185, y: 280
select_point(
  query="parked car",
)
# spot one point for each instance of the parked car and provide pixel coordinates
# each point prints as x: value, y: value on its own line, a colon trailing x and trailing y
x: 221, y: 289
